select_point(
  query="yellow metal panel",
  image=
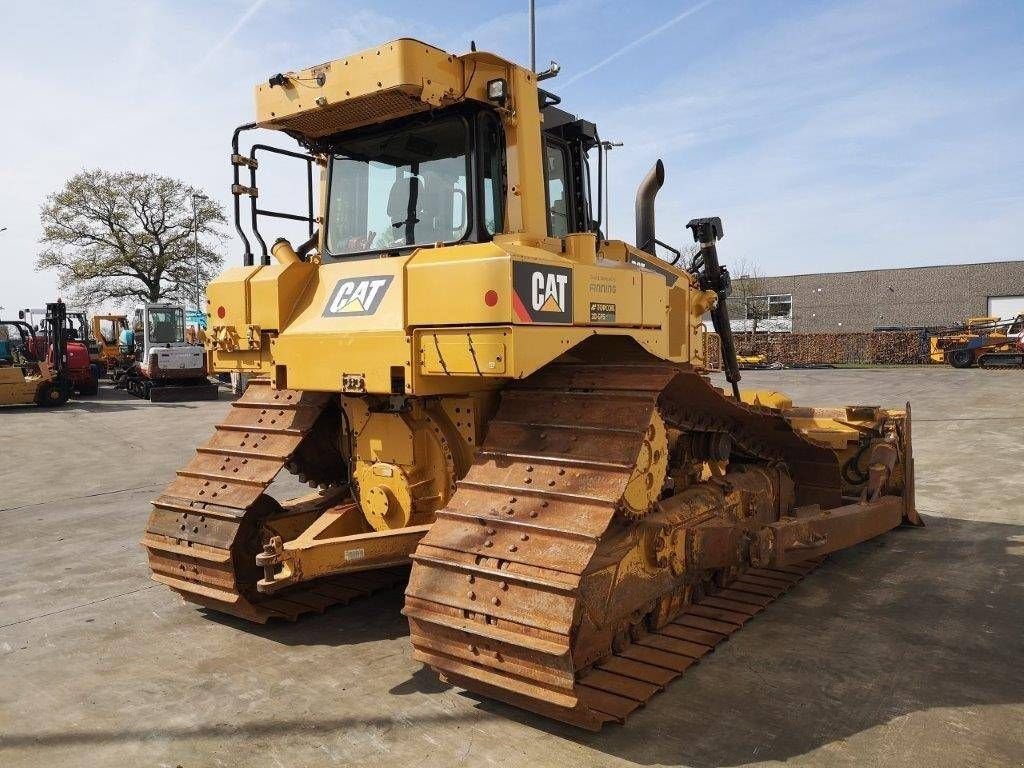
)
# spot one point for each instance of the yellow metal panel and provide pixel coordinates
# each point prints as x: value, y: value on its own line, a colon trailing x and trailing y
x: 463, y: 353
x: 318, y: 360
x: 246, y: 361
x: 377, y: 84
x: 230, y: 291
x: 350, y: 321
x: 385, y: 437
x: 451, y: 285
x: 351, y: 295
x: 767, y: 398
x: 527, y: 348
x: 275, y: 291
x: 607, y: 294
x: 655, y: 294
x: 678, y: 324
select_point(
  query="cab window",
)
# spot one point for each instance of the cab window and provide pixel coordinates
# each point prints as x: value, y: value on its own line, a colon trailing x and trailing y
x: 399, y: 187
x: 556, y: 174
x: 492, y: 164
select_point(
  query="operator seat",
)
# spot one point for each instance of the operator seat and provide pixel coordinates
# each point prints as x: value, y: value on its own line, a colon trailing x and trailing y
x: 559, y: 217
x: 398, y: 208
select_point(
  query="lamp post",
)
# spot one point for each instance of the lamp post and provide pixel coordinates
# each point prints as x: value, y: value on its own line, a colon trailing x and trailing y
x: 195, y: 247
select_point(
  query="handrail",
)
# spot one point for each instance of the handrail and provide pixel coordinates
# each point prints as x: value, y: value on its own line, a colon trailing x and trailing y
x: 238, y: 160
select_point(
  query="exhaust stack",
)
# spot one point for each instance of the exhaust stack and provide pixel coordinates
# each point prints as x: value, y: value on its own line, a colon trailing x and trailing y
x: 645, y: 194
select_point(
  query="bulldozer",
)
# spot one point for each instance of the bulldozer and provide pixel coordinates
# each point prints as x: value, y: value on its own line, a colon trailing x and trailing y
x: 495, y: 404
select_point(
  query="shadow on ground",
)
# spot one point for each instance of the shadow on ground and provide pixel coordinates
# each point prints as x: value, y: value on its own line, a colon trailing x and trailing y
x: 915, y: 620
x: 374, y: 617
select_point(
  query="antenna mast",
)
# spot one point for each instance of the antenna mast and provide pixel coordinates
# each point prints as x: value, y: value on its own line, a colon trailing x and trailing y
x: 533, y: 36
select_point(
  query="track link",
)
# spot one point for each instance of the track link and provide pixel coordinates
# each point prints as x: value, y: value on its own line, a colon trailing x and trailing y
x: 1002, y: 361
x: 511, y: 589
x: 621, y: 683
x: 205, y: 528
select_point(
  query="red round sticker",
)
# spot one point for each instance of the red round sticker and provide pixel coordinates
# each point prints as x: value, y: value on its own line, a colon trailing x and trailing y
x: 491, y: 298
x: 221, y: 312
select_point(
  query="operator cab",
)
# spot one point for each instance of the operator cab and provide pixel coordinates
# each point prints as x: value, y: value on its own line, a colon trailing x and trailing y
x: 15, y: 344
x: 78, y: 327
x: 568, y: 141
x: 440, y: 178
x: 417, y: 181
x: 443, y: 175
x: 158, y: 325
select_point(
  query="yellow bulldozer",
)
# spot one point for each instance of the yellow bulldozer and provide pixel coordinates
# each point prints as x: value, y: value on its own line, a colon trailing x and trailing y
x: 482, y: 387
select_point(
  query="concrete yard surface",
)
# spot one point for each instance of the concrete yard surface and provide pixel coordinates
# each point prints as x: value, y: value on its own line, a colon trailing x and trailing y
x: 906, y: 650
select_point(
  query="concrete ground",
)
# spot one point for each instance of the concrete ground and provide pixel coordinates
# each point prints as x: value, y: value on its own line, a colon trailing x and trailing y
x: 906, y: 650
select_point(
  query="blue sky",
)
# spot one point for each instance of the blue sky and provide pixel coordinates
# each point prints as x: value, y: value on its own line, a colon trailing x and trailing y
x: 828, y: 135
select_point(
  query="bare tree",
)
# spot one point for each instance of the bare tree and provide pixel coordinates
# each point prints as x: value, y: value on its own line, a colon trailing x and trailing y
x: 750, y: 292
x: 120, y: 237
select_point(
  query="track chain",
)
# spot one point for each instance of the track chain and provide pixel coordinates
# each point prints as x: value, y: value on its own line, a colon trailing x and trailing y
x: 502, y: 584
x: 204, y: 531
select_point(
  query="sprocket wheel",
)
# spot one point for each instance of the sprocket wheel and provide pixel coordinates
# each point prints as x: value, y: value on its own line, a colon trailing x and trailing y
x: 319, y: 461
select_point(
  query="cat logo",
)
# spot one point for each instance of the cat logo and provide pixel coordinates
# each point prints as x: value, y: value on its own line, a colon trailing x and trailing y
x: 357, y: 296
x: 543, y: 294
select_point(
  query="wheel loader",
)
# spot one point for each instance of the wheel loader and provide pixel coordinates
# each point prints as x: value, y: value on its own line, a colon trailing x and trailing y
x: 483, y: 387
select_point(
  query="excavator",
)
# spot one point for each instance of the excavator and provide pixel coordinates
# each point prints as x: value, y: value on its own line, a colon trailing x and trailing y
x: 497, y: 405
x: 155, y: 360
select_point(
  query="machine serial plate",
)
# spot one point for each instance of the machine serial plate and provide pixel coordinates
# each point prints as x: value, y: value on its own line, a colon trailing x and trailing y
x: 602, y: 313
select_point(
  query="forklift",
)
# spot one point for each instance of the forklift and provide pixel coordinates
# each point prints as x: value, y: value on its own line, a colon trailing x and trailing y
x: 27, y: 377
x: 82, y: 371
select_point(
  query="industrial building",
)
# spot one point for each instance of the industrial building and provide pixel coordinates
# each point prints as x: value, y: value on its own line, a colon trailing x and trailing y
x: 878, y: 298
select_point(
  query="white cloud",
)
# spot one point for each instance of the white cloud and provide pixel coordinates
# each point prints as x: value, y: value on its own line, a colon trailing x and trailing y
x: 632, y: 45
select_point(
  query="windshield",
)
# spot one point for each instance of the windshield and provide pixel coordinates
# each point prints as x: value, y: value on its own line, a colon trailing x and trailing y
x: 76, y: 322
x: 167, y: 326
x: 398, y: 188
x: 14, y: 349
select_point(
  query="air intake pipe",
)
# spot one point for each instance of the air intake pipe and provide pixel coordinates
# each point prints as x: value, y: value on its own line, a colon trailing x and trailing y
x: 645, y: 194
